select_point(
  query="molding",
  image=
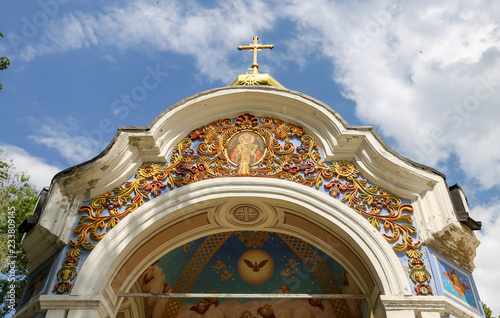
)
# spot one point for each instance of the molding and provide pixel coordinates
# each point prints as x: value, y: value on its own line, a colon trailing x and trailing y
x: 40, y: 245
x: 439, y: 304
x: 457, y: 244
x: 132, y: 307
x: 44, y: 303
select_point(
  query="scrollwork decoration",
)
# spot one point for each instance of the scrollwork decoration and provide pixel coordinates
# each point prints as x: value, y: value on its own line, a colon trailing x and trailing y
x: 248, y: 146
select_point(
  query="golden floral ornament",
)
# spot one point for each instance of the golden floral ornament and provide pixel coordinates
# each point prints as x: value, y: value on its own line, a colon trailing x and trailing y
x: 253, y: 239
x: 195, y: 134
x: 67, y: 274
x: 344, y: 169
x: 418, y: 273
x: 92, y: 226
x: 246, y: 121
x: 250, y: 146
x: 149, y: 170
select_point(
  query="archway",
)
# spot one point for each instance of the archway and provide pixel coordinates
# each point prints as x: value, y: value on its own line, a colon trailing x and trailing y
x: 209, y: 207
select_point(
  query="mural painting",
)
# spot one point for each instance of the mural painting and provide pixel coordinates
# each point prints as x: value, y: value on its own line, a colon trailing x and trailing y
x: 37, y: 283
x: 248, y: 263
x: 456, y: 283
x: 245, y: 149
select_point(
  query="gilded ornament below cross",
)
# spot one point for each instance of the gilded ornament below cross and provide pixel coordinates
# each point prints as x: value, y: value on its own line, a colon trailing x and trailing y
x: 255, y: 47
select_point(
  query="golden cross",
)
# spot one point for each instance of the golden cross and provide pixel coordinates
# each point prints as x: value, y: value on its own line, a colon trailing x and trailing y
x: 255, y: 47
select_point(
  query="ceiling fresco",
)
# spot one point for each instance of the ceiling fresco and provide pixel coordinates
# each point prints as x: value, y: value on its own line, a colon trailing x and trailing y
x: 248, y: 263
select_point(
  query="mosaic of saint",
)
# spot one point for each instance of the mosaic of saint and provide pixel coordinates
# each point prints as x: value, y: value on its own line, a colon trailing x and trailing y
x: 244, y: 150
x: 456, y: 283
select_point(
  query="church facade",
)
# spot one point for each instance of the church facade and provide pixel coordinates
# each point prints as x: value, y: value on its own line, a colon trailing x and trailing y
x: 250, y: 201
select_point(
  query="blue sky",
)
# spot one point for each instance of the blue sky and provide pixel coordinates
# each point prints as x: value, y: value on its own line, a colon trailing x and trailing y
x: 424, y: 74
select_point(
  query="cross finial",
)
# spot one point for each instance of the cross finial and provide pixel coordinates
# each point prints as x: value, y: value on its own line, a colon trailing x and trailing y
x: 255, y: 47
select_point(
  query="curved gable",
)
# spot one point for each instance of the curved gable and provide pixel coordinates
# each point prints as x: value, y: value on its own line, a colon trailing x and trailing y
x: 276, y: 135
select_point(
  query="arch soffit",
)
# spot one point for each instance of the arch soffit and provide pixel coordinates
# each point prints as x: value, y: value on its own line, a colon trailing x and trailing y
x: 376, y: 257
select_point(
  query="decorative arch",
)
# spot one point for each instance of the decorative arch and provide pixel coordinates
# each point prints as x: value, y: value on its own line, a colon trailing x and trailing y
x: 195, y: 211
x: 123, y: 200
x: 248, y: 146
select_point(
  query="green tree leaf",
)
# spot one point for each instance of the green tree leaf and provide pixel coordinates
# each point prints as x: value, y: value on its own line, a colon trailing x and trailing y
x: 17, y: 200
x: 4, y: 62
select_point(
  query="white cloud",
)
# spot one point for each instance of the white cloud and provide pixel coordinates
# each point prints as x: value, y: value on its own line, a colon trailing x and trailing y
x: 486, y: 273
x: 425, y: 74
x: 206, y: 34
x: 39, y: 171
x: 68, y: 139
